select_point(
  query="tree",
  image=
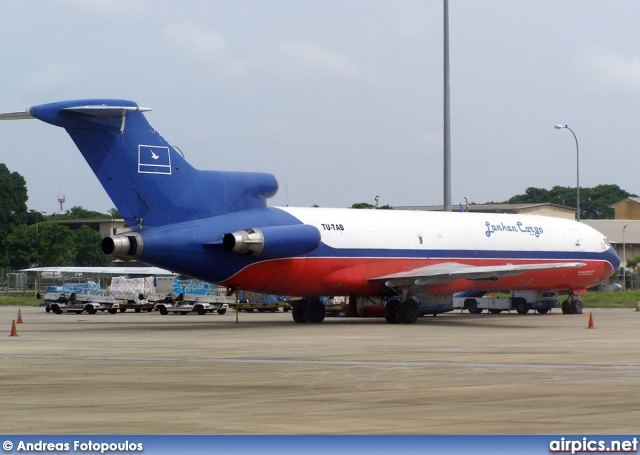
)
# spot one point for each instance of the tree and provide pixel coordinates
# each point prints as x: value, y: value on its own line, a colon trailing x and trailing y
x: 88, y: 252
x: 594, y: 202
x: 114, y: 214
x: 80, y: 213
x: 13, y: 205
x: 366, y: 205
x: 45, y: 244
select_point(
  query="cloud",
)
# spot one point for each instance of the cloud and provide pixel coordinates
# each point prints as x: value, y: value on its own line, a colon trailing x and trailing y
x: 307, y: 57
x: 205, y: 47
x: 609, y: 71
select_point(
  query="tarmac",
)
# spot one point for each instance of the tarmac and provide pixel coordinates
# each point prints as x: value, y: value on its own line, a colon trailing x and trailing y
x: 145, y: 373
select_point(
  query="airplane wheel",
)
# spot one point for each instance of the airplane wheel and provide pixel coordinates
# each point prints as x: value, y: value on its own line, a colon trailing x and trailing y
x: 408, y: 312
x: 316, y: 311
x: 522, y: 307
x: 299, y: 309
x: 577, y: 307
x: 566, y: 307
x: 391, y: 311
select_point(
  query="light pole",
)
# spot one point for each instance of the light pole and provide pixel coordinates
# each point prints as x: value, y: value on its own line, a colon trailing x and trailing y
x: 558, y: 127
x: 624, y: 261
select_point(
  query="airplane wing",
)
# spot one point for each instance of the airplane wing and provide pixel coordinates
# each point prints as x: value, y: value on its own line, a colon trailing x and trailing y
x: 110, y: 270
x: 451, y: 271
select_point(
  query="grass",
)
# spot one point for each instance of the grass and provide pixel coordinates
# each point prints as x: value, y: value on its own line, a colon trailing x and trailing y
x: 27, y: 299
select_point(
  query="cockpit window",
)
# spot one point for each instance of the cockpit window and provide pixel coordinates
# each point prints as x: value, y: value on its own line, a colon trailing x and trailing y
x: 606, y: 242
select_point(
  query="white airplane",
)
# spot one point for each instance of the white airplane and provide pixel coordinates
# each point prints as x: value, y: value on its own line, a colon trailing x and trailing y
x: 216, y: 226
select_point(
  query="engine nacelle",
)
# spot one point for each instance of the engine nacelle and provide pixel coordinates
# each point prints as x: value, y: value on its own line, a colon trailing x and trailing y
x: 126, y: 246
x: 274, y: 241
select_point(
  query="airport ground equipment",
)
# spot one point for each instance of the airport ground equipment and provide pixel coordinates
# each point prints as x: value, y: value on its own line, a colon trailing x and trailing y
x: 520, y: 301
x: 77, y: 303
x: 190, y: 303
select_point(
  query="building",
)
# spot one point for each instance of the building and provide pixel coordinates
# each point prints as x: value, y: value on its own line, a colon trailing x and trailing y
x: 104, y: 227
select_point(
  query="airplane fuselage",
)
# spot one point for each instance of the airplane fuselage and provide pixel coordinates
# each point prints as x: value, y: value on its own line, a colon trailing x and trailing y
x: 356, y: 246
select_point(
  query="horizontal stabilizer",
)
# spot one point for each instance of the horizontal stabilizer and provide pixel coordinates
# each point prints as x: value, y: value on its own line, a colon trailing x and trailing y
x: 17, y: 115
x: 102, y: 110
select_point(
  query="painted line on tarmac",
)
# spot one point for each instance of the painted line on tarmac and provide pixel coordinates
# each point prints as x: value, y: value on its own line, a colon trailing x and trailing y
x: 531, y: 366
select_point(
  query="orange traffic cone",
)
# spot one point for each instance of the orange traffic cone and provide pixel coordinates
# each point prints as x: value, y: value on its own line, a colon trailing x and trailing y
x: 14, y: 332
x: 19, y: 320
x: 591, y: 326
x: 638, y: 305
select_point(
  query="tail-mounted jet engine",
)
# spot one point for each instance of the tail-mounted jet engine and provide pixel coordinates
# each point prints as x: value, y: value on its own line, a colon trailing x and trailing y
x: 274, y: 241
x: 123, y: 246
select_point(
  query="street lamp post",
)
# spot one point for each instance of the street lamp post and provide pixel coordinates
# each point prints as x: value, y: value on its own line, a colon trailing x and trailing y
x: 624, y: 261
x: 558, y: 127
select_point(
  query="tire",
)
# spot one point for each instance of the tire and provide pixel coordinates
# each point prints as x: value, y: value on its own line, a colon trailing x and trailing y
x: 138, y: 310
x: 89, y: 309
x: 495, y: 311
x: 566, y: 307
x: 249, y: 310
x: 577, y: 307
x: 200, y: 310
x: 47, y: 308
x: 299, y: 309
x: 316, y: 311
x: 222, y: 311
x: 522, y: 307
x: 163, y: 310
x: 543, y: 310
x: 472, y: 306
x: 123, y: 309
x: 113, y: 310
x: 391, y: 311
x: 408, y: 312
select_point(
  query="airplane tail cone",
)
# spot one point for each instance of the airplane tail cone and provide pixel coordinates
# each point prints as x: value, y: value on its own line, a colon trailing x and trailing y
x: 19, y: 319
x: 591, y: 326
x: 14, y: 332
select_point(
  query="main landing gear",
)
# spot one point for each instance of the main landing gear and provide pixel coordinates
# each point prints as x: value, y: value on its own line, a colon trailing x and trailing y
x: 405, y: 312
x: 309, y: 309
x: 572, y: 306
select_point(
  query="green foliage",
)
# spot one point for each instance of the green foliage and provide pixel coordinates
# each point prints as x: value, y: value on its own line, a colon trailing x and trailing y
x: 114, y: 214
x: 13, y: 205
x: 594, y: 202
x: 366, y: 205
x: 88, y: 253
x: 50, y: 245
x: 80, y: 213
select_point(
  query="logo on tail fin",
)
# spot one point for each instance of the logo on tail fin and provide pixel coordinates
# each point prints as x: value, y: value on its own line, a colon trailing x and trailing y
x: 154, y: 160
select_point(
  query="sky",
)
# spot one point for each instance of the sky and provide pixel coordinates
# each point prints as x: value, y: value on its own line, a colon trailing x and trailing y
x: 341, y: 101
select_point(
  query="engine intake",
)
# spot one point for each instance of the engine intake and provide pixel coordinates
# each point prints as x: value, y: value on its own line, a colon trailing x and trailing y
x: 123, y: 246
x: 273, y: 241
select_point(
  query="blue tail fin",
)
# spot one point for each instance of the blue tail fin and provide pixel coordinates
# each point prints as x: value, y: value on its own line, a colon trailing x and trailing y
x: 149, y: 182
